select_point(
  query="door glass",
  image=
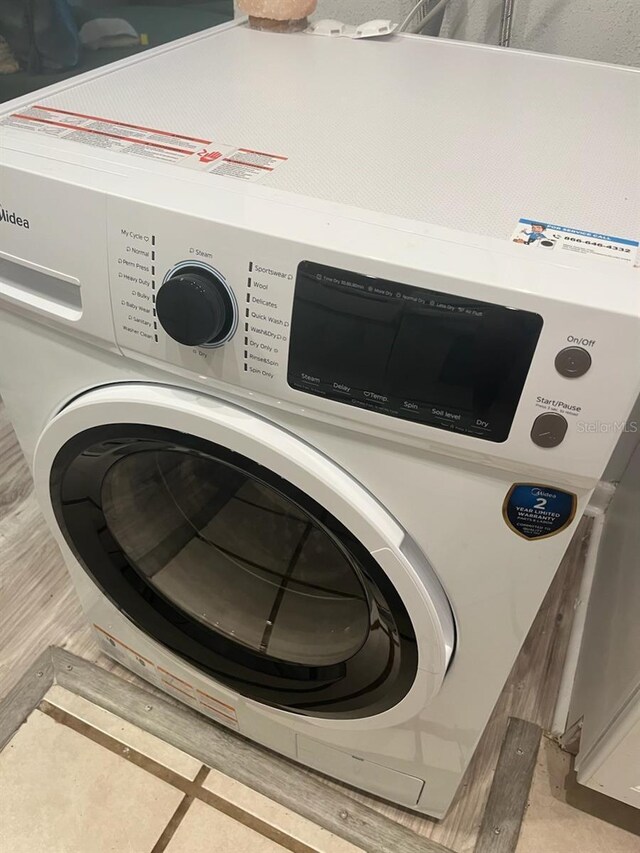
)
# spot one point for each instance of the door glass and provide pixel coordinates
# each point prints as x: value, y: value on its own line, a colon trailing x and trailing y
x: 237, y: 555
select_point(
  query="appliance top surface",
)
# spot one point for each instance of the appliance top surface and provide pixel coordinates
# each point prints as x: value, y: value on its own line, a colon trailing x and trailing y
x: 462, y: 136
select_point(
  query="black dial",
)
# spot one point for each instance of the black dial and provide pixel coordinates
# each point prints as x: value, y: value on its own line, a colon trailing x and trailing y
x: 195, y: 308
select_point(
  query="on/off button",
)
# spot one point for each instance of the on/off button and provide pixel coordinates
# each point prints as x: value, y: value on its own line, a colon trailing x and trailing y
x: 573, y: 362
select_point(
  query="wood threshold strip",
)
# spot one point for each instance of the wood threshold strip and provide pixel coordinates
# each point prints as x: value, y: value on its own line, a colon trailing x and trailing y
x: 509, y: 794
x: 25, y: 696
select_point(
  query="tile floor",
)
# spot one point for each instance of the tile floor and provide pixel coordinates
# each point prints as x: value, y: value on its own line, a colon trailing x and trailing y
x: 78, y: 779
x: 564, y: 817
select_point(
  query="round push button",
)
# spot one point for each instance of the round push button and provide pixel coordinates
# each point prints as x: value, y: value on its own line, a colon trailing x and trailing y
x: 549, y: 429
x: 573, y: 362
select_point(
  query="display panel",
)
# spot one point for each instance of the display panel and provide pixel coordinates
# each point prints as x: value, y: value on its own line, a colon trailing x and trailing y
x: 404, y: 351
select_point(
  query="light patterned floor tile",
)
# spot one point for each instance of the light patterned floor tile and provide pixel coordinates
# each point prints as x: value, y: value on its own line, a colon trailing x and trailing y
x: 205, y: 830
x: 551, y: 825
x: 62, y: 793
x: 126, y: 733
x: 277, y: 815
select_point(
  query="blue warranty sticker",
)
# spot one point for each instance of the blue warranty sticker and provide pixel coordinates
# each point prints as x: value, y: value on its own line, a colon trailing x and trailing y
x: 536, y: 512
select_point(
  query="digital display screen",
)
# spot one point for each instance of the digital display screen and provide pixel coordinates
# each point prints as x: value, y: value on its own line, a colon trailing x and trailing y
x: 407, y: 352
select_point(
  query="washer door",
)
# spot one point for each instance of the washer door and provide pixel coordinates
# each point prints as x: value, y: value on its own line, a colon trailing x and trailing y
x: 245, y: 551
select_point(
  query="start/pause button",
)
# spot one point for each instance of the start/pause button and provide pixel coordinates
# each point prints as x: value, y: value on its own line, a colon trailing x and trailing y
x: 549, y: 429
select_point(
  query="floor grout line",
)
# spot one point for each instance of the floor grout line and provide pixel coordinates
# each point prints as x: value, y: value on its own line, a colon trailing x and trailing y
x: 178, y: 816
x: 190, y: 788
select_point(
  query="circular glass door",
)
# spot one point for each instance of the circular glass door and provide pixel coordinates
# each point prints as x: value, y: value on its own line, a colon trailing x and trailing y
x: 235, y: 569
x: 238, y: 556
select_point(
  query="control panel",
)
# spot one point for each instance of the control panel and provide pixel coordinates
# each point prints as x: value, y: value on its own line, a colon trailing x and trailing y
x: 418, y: 354
x: 191, y: 303
x: 413, y: 353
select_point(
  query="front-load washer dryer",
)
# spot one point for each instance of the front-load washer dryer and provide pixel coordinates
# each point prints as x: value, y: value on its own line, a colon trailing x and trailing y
x: 312, y: 465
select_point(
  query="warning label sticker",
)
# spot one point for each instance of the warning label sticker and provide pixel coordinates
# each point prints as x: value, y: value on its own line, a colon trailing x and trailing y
x: 146, y: 142
x: 540, y: 235
x: 217, y: 709
x: 234, y: 162
x: 124, y: 653
x: 166, y: 680
x: 172, y: 681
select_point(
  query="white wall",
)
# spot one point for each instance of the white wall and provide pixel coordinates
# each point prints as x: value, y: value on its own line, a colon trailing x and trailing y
x: 358, y: 11
x: 604, y: 30
x: 474, y: 20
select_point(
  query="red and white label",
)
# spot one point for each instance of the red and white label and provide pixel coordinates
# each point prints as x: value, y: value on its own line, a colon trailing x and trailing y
x: 146, y: 142
x: 167, y: 680
x: 218, y: 710
x: 124, y: 653
x: 240, y: 163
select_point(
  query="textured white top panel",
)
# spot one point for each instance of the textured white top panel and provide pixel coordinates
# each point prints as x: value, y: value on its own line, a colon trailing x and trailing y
x: 463, y: 136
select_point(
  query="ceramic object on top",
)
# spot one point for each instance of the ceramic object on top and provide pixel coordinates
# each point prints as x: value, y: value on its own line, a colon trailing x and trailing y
x: 278, y: 15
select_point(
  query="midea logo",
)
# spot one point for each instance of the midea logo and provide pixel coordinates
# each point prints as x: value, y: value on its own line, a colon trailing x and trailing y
x: 11, y: 217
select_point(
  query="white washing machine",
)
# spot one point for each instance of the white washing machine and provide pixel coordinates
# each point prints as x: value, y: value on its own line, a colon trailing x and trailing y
x: 311, y: 461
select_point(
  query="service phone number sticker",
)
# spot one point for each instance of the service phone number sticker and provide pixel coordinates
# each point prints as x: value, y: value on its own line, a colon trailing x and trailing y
x: 537, y: 512
x: 545, y: 237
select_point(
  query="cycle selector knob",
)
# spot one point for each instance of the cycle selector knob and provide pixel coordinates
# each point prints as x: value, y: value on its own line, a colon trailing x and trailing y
x: 196, y: 308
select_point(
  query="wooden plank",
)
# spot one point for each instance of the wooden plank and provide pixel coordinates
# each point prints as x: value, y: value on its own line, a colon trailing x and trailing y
x: 25, y: 696
x: 258, y: 768
x: 15, y: 475
x: 500, y: 828
x: 38, y: 606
